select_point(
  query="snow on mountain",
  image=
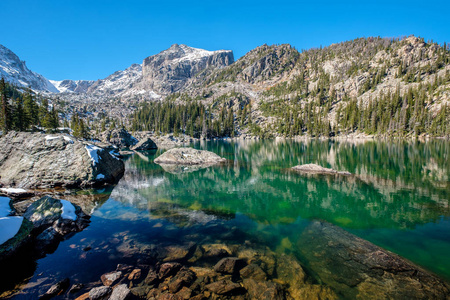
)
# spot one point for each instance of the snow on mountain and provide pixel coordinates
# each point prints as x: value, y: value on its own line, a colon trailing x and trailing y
x: 14, y: 71
x: 72, y: 86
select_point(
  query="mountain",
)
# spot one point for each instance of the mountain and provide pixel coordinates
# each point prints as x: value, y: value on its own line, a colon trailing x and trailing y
x: 380, y: 86
x: 159, y: 75
x: 15, y: 71
x: 170, y: 70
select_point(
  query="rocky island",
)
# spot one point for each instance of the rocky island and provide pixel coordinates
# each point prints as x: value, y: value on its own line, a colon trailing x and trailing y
x: 316, y: 169
x: 189, y: 156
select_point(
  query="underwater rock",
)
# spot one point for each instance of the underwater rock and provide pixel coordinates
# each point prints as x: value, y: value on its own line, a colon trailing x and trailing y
x: 355, y: 267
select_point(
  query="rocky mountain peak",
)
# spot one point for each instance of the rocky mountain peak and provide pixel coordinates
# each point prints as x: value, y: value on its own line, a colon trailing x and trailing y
x: 171, y: 69
x: 15, y: 71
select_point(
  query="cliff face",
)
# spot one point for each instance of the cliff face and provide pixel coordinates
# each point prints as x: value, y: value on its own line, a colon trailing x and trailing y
x: 170, y: 70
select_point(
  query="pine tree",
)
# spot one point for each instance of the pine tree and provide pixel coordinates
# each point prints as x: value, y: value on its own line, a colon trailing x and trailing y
x: 5, y: 114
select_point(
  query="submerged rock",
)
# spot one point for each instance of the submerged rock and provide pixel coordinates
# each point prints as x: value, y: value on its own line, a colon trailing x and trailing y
x: 57, y: 289
x: 357, y: 268
x: 189, y: 156
x: 316, y: 169
x: 100, y: 293
x: 35, y: 160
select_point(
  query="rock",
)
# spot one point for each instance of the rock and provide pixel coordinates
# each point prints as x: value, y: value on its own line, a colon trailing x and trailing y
x: 120, y: 292
x: 152, y: 278
x: 169, y: 297
x: 52, y: 219
x: 291, y: 274
x: 140, y: 291
x: 177, y: 253
x: 184, y: 277
x: 111, y: 278
x: 229, y: 265
x: 185, y: 293
x: 64, y: 217
x: 34, y: 160
x: 223, y: 287
x: 100, y: 293
x: 168, y: 269
x: 119, y: 137
x: 189, y: 156
x: 355, y: 267
x: 135, y: 274
x: 316, y: 169
x: 264, y: 290
x: 57, y: 289
x: 253, y: 271
x: 10, y: 243
x: 144, y: 144
x: 168, y: 71
x: 76, y: 288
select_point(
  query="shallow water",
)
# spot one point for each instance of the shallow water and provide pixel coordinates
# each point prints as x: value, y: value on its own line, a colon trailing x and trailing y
x: 399, y: 200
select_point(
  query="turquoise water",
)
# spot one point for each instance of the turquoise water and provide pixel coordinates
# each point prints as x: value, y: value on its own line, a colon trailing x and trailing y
x: 399, y: 200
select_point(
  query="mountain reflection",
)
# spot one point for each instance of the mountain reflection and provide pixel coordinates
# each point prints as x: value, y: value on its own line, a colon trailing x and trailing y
x: 396, y: 184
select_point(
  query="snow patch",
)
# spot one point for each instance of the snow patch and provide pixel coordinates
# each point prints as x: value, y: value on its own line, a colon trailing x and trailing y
x: 68, y: 210
x: 13, y: 191
x: 9, y: 227
x: 50, y: 138
x: 5, y: 209
x: 93, y: 153
x: 100, y: 176
x: 68, y: 139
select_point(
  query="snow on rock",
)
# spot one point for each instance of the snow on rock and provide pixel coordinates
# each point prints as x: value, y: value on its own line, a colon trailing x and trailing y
x: 13, y: 191
x: 9, y: 227
x: 50, y: 138
x: 93, y: 153
x: 5, y: 209
x: 68, y: 139
x: 68, y: 210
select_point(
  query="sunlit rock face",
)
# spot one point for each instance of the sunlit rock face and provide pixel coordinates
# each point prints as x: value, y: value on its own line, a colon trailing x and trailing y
x: 170, y: 70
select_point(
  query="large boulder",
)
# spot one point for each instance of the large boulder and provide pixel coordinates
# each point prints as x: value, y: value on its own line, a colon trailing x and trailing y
x: 36, y: 160
x: 119, y: 138
x: 144, y: 144
x: 189, y: 156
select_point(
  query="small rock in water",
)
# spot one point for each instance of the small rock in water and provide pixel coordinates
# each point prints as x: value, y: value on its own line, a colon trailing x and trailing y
x: 168, y: 269
x: 57, y: 289
x: 135, y: 274
x: 229, y: 265
x: 100, y: 293
x: 223, y: 287
x: 109, y: 279
x: 76, y: 288
x: 120, y: 292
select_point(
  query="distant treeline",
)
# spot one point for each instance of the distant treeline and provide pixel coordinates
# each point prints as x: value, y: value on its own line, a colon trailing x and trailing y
x: 194, y: 119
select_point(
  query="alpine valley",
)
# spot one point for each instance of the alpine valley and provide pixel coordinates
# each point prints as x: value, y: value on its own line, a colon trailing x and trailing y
x: 370, y: 86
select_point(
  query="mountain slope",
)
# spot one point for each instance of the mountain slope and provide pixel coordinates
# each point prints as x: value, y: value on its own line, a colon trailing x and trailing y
x: 15, y: 71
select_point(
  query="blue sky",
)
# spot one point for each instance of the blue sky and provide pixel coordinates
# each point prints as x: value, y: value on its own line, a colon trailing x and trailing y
x: 79, y: 39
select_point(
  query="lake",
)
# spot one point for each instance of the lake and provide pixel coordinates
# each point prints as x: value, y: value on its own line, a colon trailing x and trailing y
x: 398, y: 200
